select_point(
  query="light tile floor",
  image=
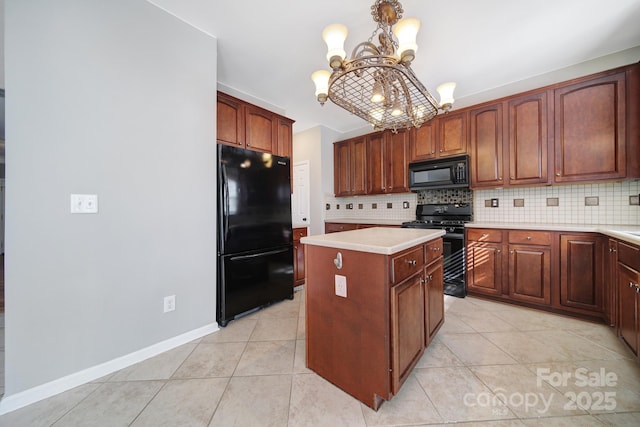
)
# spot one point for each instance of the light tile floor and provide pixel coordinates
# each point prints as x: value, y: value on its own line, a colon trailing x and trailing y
x: 491, y: 364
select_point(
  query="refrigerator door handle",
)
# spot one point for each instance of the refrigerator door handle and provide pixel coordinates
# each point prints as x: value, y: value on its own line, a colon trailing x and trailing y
x: 225, y: 197
x: 273, y: 252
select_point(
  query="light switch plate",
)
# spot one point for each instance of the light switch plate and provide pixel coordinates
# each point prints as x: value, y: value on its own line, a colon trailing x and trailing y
x: 341, y: 285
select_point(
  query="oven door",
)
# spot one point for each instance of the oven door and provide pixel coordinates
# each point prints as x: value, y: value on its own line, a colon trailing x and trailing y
x: 454, y: 264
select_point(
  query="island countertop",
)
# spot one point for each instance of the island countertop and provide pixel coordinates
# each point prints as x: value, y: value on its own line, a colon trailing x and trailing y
x: 378, y: 240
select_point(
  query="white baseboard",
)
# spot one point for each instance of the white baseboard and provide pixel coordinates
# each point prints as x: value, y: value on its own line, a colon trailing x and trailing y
x: 16, y: 401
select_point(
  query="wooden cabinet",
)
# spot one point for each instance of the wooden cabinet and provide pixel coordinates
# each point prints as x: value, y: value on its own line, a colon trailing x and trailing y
x: 530, y: 274
x: 508, y: 142
x: 484, y: 261
x: 350, y: 167
x: 528, y: 140
x: 443, y: 136
x: 245, y: 125
x: 387, y: 162
x: 610, y: 302
x: 407, y: 327
x: 434, y: 297
x: 486, y: 146
x: 452, y: 134
x: 582, y: 273
x: 299, y: 273
x: 590, y: 130
x: 629, y: 295
x: 368, y: 342
x: 334, y: 227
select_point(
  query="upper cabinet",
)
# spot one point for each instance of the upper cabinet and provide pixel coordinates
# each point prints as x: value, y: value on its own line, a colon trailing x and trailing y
x: 444, y: 136
x: 584, y: 130
x: 508, y: 142
x: 245, y: 125
x: 590, y: 130
x: 371, y: 164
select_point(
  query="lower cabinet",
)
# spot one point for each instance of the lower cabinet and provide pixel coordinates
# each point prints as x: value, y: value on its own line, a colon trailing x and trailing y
x: 582, y: 273
x: 407, y: 327
x: 368, y: 341
x: 544, y: 269
x: 334, y: 227
x: 299, y: 273
x: 629, y: 296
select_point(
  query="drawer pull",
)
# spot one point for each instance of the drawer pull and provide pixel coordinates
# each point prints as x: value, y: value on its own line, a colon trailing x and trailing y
x: 528, y: 237
x: 485, y: 235
x: 631, y: 284
x: 412, y: 261
x: 499, y: 251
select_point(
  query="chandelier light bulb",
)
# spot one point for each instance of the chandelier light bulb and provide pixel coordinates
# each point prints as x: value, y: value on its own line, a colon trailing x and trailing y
x: 406, y: 30
x: 377, y: 95
x: 446, y: 95
x: 334, y: 36
x: 321, y: 80
x: 396, y: 109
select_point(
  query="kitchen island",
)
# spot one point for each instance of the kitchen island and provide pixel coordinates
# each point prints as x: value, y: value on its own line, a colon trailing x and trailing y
x: 374, y: 301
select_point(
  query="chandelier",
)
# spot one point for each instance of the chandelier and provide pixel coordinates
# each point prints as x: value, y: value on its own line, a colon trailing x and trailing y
x: 377, y: 83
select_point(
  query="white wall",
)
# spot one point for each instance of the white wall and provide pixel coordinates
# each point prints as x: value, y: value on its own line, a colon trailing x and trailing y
x: 316, y: 146
x: 115, y: 98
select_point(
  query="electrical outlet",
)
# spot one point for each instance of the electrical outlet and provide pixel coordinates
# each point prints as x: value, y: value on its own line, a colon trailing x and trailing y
x: 327, y: 206
x: 169, y: 303
x: 495, y: 203
x: 349, y: 205
x: 84, y: 203
x: 405, y: 205
x: 341, y: 285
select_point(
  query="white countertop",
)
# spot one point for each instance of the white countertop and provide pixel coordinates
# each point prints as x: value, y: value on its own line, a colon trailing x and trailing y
x: 379, y: 240
x: 618, y: 231
x: 367, y: 221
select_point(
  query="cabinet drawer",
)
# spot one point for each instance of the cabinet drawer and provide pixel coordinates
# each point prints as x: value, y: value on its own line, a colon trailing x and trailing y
x: 629, y: 255
x: 484, y: 235
x: 525, y: 237
x: 406, y: 264
x: 433, y: 250
x: 299, y: 233
x: 333, y: 227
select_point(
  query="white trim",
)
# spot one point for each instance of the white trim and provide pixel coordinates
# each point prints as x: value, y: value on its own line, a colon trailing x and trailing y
x: 43, y: 391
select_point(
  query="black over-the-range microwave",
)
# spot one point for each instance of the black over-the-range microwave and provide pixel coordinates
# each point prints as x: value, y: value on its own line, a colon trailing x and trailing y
x: 450, y: 172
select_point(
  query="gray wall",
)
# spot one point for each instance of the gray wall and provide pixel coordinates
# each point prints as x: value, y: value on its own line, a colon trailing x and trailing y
x: 115, y: 98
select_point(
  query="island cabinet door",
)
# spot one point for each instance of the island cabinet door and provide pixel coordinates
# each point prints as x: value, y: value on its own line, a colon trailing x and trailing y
x: 434, y: 299
x: 407, y: 328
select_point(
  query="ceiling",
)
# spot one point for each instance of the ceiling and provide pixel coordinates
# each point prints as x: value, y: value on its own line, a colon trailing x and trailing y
x: 268, y: 49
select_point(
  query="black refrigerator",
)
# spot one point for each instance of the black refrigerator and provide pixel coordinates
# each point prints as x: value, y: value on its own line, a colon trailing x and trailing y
x: 255, y: 246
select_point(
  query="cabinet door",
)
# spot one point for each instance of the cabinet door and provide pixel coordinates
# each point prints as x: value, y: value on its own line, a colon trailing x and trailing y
x: 397, y: 161
x: 452, y: 134
x: 528, y: 140
x: 342, y: 168
x: 610, y: 305
x: 229, y: 121
x: 434, y: 294
x: 530, y: 273
x: 423, y: 142
x: 299, y: 273
x: 359, y: 166
x: 628, y: 308
x: 581, y: 271
x: 376, y: 179
x: 590, y: 130
x: 486, y: 146
x: 484, y: 268
x: 261, y: 129
x: 407, y: 328
x: 284, y: 138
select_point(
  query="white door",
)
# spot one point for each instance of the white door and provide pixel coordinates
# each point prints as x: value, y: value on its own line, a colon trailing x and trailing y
x: 300, y: 201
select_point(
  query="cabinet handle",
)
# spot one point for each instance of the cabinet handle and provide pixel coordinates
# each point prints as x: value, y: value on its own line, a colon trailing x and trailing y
x: 631, y: 284
x: 441, y: 150
x: 511, y: 252
x: 528, y: 237
x: 433, y: 152
x: 557, y: 173
x: 248, y: 144
x: 411, y: 261
x: 637, y: 290
x: 499, y: 178
x: 512, y: 177
x: 431, y: 277
x: 499, y: 251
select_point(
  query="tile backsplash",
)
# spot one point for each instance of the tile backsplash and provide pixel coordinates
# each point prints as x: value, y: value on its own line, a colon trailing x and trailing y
x: 387, y: 207
x: 607, y: 203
